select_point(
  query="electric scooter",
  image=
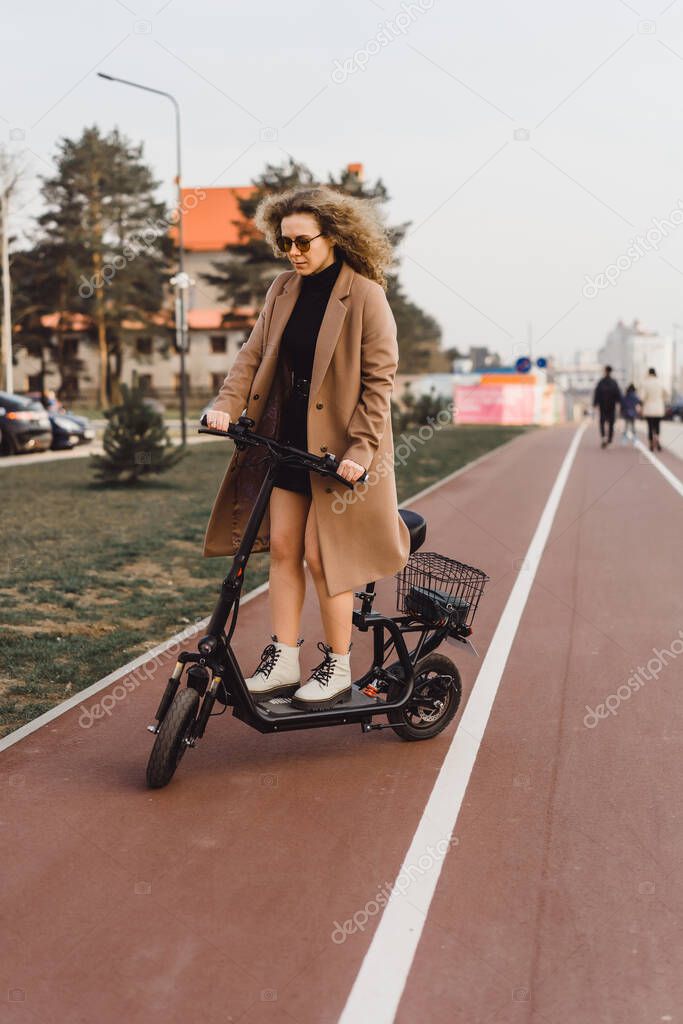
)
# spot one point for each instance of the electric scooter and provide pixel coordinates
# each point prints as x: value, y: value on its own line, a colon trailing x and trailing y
x: 417, y: 692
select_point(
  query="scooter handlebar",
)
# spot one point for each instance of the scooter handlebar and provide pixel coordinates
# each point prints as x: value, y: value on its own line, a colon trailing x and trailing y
x: 325, y: 466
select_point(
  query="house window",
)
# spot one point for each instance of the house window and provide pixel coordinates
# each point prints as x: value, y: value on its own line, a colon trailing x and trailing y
x: 69, y: 390
x: 145, y: 382
x: 216, y: 381
x: 219, y: 344
x: 70, y: 348
x: 35, y: 382
x: 144, y: 346
x: 176, y: 383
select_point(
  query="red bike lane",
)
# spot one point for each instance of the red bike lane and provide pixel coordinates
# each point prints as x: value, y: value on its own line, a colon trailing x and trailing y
x: 563, y: 900
x: 221, y: 893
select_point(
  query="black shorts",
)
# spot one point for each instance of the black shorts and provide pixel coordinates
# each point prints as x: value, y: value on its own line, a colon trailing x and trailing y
x: 294, y: 431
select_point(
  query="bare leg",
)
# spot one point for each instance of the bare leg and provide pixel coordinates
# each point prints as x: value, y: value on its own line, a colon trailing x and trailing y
x: 287, y: 587
x: 336, y: 612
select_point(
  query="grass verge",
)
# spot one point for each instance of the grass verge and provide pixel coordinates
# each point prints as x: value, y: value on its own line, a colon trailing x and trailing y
x: 91, y: 578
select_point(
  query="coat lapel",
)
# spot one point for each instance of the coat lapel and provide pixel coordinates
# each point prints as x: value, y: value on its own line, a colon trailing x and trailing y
x: 330, y: 328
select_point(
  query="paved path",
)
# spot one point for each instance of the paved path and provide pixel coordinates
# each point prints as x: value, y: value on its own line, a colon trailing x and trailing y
x: 249, y: 889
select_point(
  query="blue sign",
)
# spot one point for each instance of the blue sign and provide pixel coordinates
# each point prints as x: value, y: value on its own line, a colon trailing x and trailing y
x: 523, y: 364
x: 542, y: 362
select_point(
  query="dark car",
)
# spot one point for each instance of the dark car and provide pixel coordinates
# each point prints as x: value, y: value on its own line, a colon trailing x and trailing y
x: 24, y: 425
x: 674, y: 411
x: 67, y: 430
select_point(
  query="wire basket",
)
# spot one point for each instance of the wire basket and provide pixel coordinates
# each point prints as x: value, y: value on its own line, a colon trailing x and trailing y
x: 431, y: 586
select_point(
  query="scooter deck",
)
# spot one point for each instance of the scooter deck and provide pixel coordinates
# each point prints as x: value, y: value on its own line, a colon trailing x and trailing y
x: 281, y: 707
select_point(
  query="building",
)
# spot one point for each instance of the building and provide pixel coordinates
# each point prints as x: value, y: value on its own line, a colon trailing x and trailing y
x: 632, y: 349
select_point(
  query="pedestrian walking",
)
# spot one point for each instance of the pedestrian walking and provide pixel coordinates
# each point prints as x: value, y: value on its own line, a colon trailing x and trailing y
x: 607, y: 396
x: 630, y: 404
x: 654, y: 399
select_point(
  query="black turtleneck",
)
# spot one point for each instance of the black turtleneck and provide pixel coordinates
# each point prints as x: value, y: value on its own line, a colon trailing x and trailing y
x: 301, y: 330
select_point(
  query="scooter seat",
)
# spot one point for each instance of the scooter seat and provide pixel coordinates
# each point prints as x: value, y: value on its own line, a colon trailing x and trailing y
x: 417, y: 526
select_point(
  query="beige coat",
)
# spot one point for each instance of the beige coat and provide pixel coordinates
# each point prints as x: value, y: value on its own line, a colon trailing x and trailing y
x: 361, y: 535
x: 653, y: 396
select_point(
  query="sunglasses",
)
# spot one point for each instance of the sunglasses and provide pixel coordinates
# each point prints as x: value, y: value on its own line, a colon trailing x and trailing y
x: 303, y: 244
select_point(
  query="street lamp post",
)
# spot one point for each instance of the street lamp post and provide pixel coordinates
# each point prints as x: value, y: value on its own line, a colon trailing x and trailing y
x: 181, y: 280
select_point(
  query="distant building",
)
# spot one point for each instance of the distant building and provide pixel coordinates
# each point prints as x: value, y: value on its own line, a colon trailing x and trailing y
x: 631, y: 349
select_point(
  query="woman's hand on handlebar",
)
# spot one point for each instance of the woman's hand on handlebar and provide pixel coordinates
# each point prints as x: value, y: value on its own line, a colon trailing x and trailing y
x: 217, y: 420
x: 350, y: 470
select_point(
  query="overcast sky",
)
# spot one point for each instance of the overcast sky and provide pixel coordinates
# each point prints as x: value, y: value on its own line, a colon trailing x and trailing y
x: 530, y: 144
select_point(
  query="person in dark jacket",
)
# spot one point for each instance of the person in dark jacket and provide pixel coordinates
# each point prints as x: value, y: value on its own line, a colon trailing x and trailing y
x: 629, y: 410
x: 607, y: 396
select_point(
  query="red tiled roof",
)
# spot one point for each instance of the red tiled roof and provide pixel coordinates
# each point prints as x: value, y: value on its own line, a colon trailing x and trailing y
x: 197, y: 320
x: 220, y: 319
x: 208, y: 215
x: 70, y: 321
x: 82, y: 321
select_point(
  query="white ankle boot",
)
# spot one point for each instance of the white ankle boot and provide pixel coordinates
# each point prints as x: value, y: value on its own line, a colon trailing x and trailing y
x: 328, y: 684
x: 278, y: 673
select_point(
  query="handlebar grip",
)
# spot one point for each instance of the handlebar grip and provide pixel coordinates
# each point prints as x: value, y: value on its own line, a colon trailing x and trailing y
x: 331, y: 459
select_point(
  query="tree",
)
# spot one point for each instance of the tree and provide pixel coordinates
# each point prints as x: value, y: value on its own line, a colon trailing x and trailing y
x: 136, y: 443
x: 110, y: 240
x: 10, y: 175
x: 40, y: 287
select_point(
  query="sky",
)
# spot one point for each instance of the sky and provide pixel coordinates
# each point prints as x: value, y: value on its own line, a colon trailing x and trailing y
x: 536, y: 147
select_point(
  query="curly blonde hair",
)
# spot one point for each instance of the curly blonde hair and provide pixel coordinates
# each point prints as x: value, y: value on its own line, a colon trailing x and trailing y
x: 354, y: 224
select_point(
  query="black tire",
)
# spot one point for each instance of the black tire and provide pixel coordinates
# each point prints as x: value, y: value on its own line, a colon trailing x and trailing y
x: 436, y: 677
x: 7, y: 445
x: 170, y: 745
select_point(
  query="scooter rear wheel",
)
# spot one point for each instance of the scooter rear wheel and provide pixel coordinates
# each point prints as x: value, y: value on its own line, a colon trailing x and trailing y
x: 437, y: 682
x: 170, y: 744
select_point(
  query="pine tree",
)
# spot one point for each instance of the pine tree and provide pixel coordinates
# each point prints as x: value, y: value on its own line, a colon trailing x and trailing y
x: 136, y: 442
x: 113, y: 241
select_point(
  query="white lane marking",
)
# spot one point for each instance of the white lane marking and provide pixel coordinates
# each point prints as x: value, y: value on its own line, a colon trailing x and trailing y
x: 101, y: 684
x: 379, y: 985
x: 664, y: 470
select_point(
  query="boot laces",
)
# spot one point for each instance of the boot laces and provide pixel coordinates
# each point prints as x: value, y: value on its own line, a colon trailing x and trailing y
x: 270, y: 655
x: 323, y: 672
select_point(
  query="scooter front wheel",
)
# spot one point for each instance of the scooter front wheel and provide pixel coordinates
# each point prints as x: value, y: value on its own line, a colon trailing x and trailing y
x: 170, y: 744
x: 435, y: 700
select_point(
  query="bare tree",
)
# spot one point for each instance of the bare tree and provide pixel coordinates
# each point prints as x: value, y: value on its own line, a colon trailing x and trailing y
x: 11, y: 173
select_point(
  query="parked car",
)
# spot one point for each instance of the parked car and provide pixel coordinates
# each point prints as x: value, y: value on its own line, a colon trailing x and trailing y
x: 68, y: 430
x: 674, y: 411
x: 24, y: 425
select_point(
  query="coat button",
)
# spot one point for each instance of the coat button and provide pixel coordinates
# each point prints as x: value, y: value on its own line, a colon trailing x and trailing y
x: 323, y: 447
x: 255, y: 397
x: 328, y: 490
x: 318, y: 405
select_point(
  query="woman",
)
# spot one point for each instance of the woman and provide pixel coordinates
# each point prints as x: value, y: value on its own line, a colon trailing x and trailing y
x: 319, y: 366
x: 654, y: 397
